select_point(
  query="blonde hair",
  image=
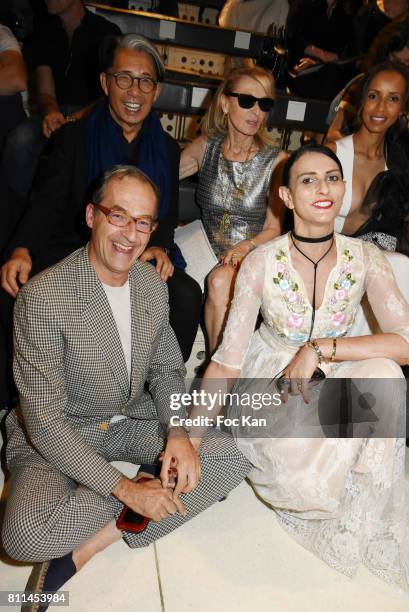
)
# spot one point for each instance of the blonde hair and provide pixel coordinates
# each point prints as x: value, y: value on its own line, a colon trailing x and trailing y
x: 214, y: 123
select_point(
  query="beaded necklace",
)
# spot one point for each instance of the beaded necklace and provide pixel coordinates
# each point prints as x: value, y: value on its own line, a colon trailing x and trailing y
x: 237, y: 192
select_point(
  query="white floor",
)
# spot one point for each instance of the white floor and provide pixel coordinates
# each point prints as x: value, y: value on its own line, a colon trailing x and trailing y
x: 233, y: 557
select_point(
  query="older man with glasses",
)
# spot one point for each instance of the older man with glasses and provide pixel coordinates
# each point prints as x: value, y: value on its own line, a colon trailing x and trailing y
x: 122, y: 128
x: 92, y: 334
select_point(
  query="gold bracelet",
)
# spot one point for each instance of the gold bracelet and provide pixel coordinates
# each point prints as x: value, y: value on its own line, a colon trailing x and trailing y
x: 312, y: 344
x: 334, y: 349
x: 253, y: 244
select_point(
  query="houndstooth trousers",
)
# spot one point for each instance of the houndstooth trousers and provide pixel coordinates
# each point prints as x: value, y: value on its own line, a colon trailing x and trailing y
x: 48, y: 515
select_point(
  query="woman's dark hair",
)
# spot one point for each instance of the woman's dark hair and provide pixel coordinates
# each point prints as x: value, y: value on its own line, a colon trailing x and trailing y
x: 311, y: 147
x: 391, y: 39
x: 388, y: 66
x: 387, y: 199
x: 396, y: 144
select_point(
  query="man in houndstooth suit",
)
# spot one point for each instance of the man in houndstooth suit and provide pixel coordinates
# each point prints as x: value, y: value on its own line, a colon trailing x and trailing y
x: 90, y: 332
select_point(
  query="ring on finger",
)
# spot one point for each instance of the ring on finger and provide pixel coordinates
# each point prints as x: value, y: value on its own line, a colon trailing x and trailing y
x: 283, y: 381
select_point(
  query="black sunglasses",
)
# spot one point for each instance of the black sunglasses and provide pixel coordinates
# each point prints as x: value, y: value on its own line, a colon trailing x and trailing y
x: 247, y: 101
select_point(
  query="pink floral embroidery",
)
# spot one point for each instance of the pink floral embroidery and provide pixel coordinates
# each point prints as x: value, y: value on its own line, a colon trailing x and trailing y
x: 338, y: 302
x: 338, y: 318
x: 291, y: 293
x: 293, y: 326
x: 291, y: 296
x: 295, y: 320
x: 341, y: 294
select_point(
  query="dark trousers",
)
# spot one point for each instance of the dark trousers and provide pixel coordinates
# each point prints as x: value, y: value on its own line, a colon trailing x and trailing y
x: 13, y: 207
x: 22, y: 150
x: 185, y: 305
x: 21, y: 154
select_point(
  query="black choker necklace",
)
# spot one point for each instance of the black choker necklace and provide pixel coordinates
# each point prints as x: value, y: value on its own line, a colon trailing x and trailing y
x: 315, y: 264
x: 305, y: 239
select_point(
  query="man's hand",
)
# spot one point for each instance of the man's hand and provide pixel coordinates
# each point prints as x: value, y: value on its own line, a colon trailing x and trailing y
x: 321, y: 54
x: 16, y: 270
x: 164, y: 266
x: 304, y: 64
x: 180, y: 454
x: 148, y: 498
x: 52, y: 122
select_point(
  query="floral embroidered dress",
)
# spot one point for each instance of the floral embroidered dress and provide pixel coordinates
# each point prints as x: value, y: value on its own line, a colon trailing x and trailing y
x: 345, y: 499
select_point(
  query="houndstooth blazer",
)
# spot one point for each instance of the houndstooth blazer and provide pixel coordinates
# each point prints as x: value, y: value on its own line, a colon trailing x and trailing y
x: 70, y: 368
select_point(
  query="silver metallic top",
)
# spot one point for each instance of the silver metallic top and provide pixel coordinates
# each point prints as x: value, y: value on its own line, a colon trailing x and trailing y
x: 232, y: 195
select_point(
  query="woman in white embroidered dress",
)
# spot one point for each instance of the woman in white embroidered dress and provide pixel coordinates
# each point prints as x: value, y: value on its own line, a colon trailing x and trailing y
x: 342, y: 498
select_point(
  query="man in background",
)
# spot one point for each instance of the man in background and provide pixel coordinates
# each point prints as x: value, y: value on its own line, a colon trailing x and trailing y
x: 64, y: 49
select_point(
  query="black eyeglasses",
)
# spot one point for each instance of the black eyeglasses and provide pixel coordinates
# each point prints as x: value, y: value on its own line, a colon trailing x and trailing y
x: 247, y: 101
x: 124, y: 80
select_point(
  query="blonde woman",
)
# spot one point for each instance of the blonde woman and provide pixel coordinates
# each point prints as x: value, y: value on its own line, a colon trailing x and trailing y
x: 235, y: 159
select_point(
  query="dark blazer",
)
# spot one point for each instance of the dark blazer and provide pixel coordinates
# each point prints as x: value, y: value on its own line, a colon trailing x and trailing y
x: 54, y: 223
x: 70, y: 368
